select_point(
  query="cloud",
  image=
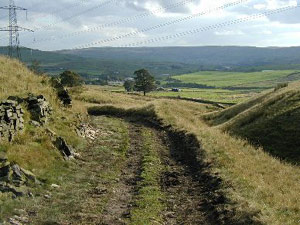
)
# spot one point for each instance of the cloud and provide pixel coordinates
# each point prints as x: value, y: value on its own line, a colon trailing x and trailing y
x: 229, y: 33
x: 72, y: 19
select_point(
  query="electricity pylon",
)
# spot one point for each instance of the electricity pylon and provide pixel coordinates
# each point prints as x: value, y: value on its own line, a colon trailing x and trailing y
x: 13, y: 29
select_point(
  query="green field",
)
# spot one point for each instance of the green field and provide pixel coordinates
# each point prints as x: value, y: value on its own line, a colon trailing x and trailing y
x: 265, y: 79
x: 230, y: 87
x: 217, y: 95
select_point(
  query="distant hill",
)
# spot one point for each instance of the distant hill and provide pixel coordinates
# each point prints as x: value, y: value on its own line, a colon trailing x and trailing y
x: 269, y: 120
x: 93, y: 67
x: 202, y: 56
x: 108, y: 62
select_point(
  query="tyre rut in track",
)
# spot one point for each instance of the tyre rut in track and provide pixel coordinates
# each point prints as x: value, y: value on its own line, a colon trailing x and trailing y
x: 118, y: 207
x: 185, y: 201
x: 185, y: 187
x: 190, y: 192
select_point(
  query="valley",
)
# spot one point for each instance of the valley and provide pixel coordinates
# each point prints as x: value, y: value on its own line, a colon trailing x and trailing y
x: 138, y: 112
x: 153, y: 159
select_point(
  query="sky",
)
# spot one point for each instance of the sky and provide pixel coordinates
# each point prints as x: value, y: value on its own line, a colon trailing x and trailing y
x: 73, y: 24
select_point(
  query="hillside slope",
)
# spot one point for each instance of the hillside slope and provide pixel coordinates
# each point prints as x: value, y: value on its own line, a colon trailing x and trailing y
x: 205, y: 55
x: 269, y: 120
x: 33, y: 149
x: 91, y: 67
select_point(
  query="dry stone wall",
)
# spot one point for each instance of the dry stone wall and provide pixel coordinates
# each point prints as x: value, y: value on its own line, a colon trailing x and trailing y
x: 39, y: 108
x: 11, y: 119
x: 12, y: 114
x: 62, y: 93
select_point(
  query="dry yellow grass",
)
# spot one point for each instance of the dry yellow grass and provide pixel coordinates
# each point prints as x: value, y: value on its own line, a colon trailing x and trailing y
x: 268, y: 120
x: 16, y: 79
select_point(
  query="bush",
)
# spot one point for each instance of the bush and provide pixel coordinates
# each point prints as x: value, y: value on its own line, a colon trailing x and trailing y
x: 280, y: 86
x: 71, y: 79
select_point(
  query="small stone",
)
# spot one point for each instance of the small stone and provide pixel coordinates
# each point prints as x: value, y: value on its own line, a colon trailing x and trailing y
x: 12, y: 221
x: 22, y: 219
x: 9, y: 114
x: 55, y: 186
x: 47, y: 196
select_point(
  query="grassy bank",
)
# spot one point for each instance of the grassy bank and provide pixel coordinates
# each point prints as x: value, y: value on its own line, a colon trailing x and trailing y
x: 33, y: 149
x: 267, y: 120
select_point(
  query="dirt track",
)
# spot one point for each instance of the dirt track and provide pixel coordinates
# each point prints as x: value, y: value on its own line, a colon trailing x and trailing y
x: 104, y: 188
x: 193, y: 195
x: 184, y: 182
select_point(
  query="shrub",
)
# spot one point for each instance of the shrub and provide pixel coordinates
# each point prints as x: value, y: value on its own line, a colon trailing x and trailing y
x: 71, y: 79
x: 280, y: 86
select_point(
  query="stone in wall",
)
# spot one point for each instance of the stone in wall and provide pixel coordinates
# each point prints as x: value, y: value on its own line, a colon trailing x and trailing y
x: 39, y: 108
x: 11, y: 119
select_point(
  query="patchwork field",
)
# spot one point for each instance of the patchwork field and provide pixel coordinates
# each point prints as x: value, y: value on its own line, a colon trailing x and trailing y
x: 230, y: 87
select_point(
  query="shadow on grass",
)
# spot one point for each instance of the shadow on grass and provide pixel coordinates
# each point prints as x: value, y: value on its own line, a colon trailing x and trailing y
x: 279, y: 136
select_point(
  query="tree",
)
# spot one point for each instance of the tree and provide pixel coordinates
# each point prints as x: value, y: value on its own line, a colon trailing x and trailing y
x: 144, y: 81
x: 129, y: 85
x: 70, y: 79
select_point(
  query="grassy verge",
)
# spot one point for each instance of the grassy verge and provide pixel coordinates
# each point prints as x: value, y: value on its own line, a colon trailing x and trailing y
x: 149, y: 201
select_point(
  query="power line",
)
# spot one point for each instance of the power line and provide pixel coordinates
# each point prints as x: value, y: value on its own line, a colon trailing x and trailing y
x: 163, y: 24
x: 55, y: 12
x: 74, y: 15
x: 212, y: 27
x: 77, y: 14
x: 58, y: 10
x: 129, y: 19
x: 13, y: 29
